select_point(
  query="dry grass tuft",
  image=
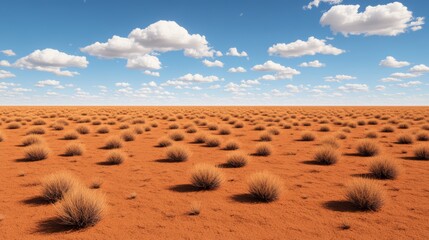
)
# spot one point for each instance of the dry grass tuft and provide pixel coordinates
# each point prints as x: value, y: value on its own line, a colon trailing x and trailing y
x: 115, y: 157
x: 237, y: 159
x: 36, y: 130
x: 265, y: 186
x: 177, y: 136
x: 327, y: 155
x: 31, y: 139
x: 213, y: 141
x: 36, y: 152
x: 164, y: 142
x: 200, y: 138
x: 177, y: 154
x: 206, y: 177
x: 384, y: 168
x: 74, y: 149
x: 128, y: 136
x: 71, y: 136
x: 56, y: 185
x: 365, y: 194
x: 405, y: 139
x: 367, y: 148
x: 421, y: 152
x: 82, y: 129
x: 113, y: 142
x: 232, y: 145
x: 103, y: 130
x: 263, y: 149
x: 265, y: 137
x: 307, y: 136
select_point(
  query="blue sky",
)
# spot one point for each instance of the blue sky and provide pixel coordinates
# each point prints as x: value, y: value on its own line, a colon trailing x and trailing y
x: 298, y: 52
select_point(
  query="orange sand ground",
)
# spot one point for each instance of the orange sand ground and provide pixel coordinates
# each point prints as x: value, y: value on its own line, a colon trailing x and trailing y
x: 312, y: 205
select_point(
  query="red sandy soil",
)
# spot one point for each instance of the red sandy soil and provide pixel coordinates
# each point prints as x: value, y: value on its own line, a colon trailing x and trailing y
x: 312, y: 206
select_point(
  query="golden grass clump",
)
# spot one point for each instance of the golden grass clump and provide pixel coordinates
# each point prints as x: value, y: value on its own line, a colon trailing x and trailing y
x: 206, y: 177
x: 405, y: 139
x: 237, y: 159
x: 212, y: 127
x: 72, y: 135
x: 365, y: 194
x: 307, y: 136
x: 14, y: 125
x: 387, y: 129
x: 367, y: 148
x: 56, y: 185
x: 177, y: 136
x: 113, y: 142
x: 265, y: 186
x: 224, y: 130
x: 330, y: 141
x: 164, y: 142
x: 177, y: 154
x: 36, y: 130
x: 263, y: 149
x: 422, y: 136
x: 81, y: 208
x: 36, y: 152
x: 31, y: 139
x: 213, y: 141
x: 421, y: 152
x: 232, y: 145
x: 82, y: 129
x: 324, y: 128
x: 265, y: 137
x: 115, y: 157
x: 384, y: 168
x: 74, y: 149
x: 200, y: 138
x: 103, y: 130
x: 128, y: 136
x: 371, y: 134
x: 259, y: 128
x: 327, y: 155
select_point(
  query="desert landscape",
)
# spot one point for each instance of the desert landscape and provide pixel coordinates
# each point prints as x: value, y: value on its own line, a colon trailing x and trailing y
x: 214, y: 172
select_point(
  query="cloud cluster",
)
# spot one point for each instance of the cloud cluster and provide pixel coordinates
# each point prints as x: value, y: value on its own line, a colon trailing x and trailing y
x: 385, y: 20
x: 215, y: 63
x: 339, y: 78
x: 390, y: 61
x: 235, y: 53
x: 237, y: 70
x: 6, y: 74
x: 282, y: 72
x: 314, y: 64
x: 300, y: 48
x: 315, y: 3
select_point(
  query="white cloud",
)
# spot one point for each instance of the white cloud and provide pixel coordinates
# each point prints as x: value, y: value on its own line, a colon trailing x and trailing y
x: 292, y: 88
x: 150, y: 73
x: 315, y: 64
x: 315, y: 3
x: 339, y: 78
x: 301, y: 48
x: 51, y: 93
x: 216, y: 86
x: 404, y: 75
x: 410, y: 84
x: 5, y: 85
x: 390, y: 61
x: 380, y: 88
x: 8, y: 52
x: 122, y: 84
x: 4, y: 63
x: 219, y: 54
x: 196, y: 88
x: 237, y: 70
x: 386, y: 20
x: 234, y: 52
x: 22, y: 90
x: 322, y: 87
x: 354, y: 88
x: 250, y: 82
x: 51, y: 60
x: 116, y: 47
x: 176, y: 83
x: 47, y: 82
x: 270, y: 66
x: 215, y: 63
x: 198, y: 78
x: 282, y: 72
x: 144, y: 62
x: 390, y: 79
x: 6, y: 74
x: 418, y: 69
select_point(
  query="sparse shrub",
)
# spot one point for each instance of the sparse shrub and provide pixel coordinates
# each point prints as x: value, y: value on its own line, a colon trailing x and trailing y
x: 36, y: 130
x: 387, y: 129
x: 372, y: 122
x: 237, y: 159
x: 56, y: 185
x: 330, y: 141
x: 274, y: 131
x: 113, y: 142
x: 74, y: 149
x: 365, y: 194
x: 39, y: 122
x: 200, y: 138
x: 341, y: 136
x: 239, y: 125
x: 191, y: 130
x: 138, y: 130
x: 206, y: 177
x: 384, y: 168
x: 371, y: 134
x: 82, y: 129
x: 36, y: 152
x: 177, y: 136
x: 403, y: 126
x: 128, y: 136
x: 58, y: 127
x: 259, y: 128
x: 224, y: 130
x: 1, y: 137
x: 231, y: 145
x: 324, y: 129
x: 367, y: 148
x: 13, y: 126
x: 405, y: 139
x: 177, y: 154
x: 265, y: 186
x: 421, y: 152
x: 164, y: 142
x: 31, y: 139
x: 212, y: 127
x: 115, y: 157
x: 213, y: 141
x: 265, y: 137
x: 81, y: 208
x: 124, y: 126
x: 327, y: 155
x: 422, y: 136
x: 263, y: 149
x: 71, y: 135
x: 307, y: 136
x: 173, y: 126
x: 103, y: 130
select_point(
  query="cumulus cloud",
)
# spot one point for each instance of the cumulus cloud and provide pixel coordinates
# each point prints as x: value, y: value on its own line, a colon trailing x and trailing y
x: 339, y: 78
x: 315, y: 3
x: 354, y: 88
x: 8, y: 52
x: 122, y: 84
x: 144, y: 62
x: 237, y: 70
x: 151, y: 73
x: 385, y: 20
x: 22, y: 90
x: 6, y: 74
x: 282, y: 72
x: 404, y: 75
x: 235, y: 53
x: 116, y: 47
x: 419, y: 69
x: 390, y: 79
x: 47, y: 82
x: 4, y: 63
x: 315, y: 64
x: 390, y: 61
x: 53, y: 61
x: 380, y: 88
x: 409, y: 84
x: 300, y: 48
x: 215, y: 63
x: 198, y: 78
x: 216, y: 86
